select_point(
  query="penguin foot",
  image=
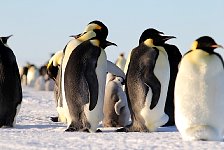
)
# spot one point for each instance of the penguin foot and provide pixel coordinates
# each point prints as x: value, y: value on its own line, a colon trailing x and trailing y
x: 85, y: 130
x: 122, y: 130
x: 54, y: 119
x: 71, y: 129
x: 98, y: 130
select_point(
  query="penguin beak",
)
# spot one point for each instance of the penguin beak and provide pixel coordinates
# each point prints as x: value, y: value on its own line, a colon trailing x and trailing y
x: 8, y: 36
x: 165, y: 38
x: 107, y: 43
x: 76, y: 36
x: 217, y: 46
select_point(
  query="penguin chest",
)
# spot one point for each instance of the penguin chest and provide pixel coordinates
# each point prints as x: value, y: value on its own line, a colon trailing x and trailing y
x: 162, y: 68
x: 198, y: 90
x: 162, y: 72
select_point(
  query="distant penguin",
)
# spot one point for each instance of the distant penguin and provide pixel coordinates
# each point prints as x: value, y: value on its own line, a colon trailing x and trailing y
x: 83, y: 81
x: 10, y: 85
x: 147, y: 82
x: 115, y: 110
x: 32, y: 75
x: 41, y: 80
x: 120, y: 62
x: 199, y: 93
x: 54, y: 64
x: 174, y: 57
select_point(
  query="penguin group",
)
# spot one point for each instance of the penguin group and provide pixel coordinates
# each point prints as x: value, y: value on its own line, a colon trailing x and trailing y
x: 154, y: 87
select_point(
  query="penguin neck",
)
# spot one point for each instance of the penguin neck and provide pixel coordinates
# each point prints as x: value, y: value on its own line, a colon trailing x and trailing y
x: 87, y: 36
x: 95, y: 42
x: 149, y: 43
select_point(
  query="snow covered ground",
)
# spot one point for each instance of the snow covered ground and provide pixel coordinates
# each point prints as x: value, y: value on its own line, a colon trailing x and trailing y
x: 34, y: 130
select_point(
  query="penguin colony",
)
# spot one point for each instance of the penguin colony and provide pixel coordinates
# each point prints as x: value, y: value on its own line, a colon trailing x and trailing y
x: 155, y: 79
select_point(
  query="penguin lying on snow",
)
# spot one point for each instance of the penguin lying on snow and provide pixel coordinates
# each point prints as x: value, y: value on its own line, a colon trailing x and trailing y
x: 199, y: 92
x: 115, y: 110
x: 10, y: 85
x: 147, y: 82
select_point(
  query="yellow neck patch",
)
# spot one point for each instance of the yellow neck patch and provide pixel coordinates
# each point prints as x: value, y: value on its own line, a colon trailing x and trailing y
x: 149, y: 43
x: 194, y: 45
x: 88, y: 35
x: 95, y: 42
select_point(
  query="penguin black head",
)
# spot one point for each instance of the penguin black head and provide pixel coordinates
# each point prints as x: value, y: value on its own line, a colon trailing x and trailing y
x: 5, y: 39
x: 205, y: 43
x: 99, y: 25
x: 155, y: 35
x: 94, y: 25
x: 100, y: 35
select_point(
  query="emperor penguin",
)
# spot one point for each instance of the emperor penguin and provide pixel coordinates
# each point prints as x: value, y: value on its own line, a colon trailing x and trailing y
x: 10, y: 86
x: 147, y: 82
x: 58, y: 62
x: 199, y: 92
x: 83, y: 83
x: 115, y: 109
x: 120, y: 62
x: 32, y: 75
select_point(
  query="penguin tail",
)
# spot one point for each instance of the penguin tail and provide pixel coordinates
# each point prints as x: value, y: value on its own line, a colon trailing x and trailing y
x: 202, y: 133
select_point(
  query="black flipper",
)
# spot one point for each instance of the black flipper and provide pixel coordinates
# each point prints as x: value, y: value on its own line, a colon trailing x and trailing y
x: 92, y: 81
x: 150, y: 79
x: 155, y: 85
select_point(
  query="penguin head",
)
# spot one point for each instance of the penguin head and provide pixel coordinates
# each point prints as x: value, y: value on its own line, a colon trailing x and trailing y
x: 97, y: 25
x: 155, y: 36
x: 119, y: 80
x: 205, y: 43
x: 4, y: 40
x: 99, y: 35
x: 94, y: 25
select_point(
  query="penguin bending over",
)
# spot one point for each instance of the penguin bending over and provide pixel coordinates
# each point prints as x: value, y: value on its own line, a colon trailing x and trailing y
x: 115, y: 110
x: 147, y: 82
x: 10, y: 85
x: 83, y: 83
x: 199, y: 93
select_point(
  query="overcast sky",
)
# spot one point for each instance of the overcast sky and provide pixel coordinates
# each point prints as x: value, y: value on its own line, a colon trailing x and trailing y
x: 43, y: 27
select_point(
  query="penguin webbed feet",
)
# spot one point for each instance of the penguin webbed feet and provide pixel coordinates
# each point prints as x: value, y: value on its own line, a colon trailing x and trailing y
x: 123, y: 129
x: 54, y: 119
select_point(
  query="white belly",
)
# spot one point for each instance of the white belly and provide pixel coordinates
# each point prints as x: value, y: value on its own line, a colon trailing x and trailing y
x: 199, y: 93
x: 156, y: 117
x: 96, y: 115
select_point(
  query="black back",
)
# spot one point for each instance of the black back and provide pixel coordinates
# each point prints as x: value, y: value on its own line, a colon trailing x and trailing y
x: 174, y: 57
x: 10, y: 86
x: 140, y: 77
x: 81, y: 84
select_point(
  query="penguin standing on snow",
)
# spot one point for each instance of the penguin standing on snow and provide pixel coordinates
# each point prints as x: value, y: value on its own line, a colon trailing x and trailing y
x: 147, y: 82
x: 115, y: 109
x: 199, y: 92
x: 58, y: 62
x: 83, y: 83
x: 10, y: 85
